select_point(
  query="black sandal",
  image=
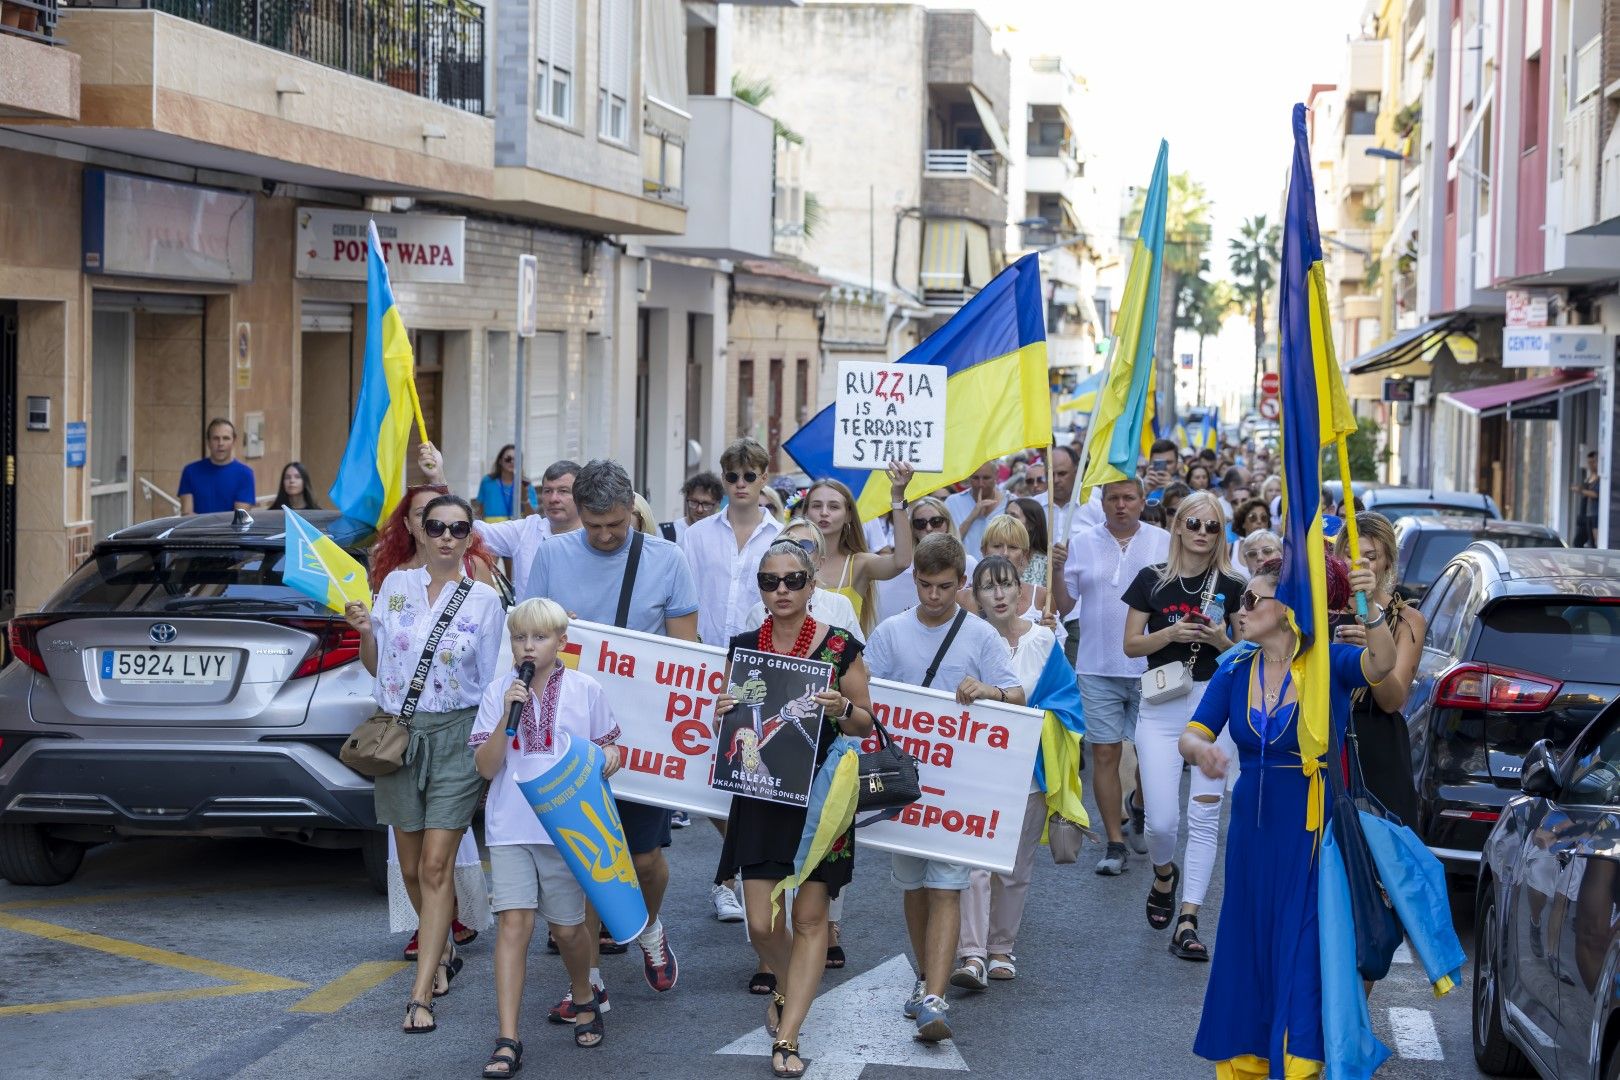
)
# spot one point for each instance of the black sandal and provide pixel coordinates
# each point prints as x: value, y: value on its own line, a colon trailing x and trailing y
x: 451, y: 967
x: 410, y: 1014
x: 513, y: 1063
x: 835, y: 952
x: 762, y: 983
x: 787, y: 1050
x: 777, y: 1002
x: 1186, y: 944
x: 584, y: 1030
x: 1162, y: 905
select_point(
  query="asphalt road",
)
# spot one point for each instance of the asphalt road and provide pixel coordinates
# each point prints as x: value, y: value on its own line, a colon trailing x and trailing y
x: 257, y: 959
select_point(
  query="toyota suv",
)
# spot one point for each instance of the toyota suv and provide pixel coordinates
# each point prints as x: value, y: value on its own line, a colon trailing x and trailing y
x: 174, y: 686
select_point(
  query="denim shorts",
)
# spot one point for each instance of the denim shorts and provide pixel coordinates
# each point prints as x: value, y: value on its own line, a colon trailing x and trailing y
x: 912, y: 873
x: 1111, y: 703
x: 534, y: 876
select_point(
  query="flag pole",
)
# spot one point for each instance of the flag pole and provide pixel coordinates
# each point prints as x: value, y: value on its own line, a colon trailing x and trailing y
x: 1051, y: 459
x: 416, y: 407
x: 1352, y: 534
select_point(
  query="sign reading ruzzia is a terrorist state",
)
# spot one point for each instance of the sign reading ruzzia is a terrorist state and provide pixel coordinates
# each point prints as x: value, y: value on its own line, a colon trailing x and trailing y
x: 889, y: 412
x: 975, y: 760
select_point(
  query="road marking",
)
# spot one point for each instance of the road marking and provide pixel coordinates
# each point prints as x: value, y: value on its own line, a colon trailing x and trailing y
x: 155, y: 894
x: 858, y: 1023
x: 238, y: 980
x: 338, y: 993
x: 1415, y: 1038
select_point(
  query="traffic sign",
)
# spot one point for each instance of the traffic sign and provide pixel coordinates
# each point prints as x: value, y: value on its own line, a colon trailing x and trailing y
x: 528, y: 299
x: 1270, y: 408
x: 1270, y: 383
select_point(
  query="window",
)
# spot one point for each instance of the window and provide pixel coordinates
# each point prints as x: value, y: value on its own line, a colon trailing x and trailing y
x: 745, y: 397
x: 1563, y: 638
x: 613, y: 76
x: 156, y: 579
x: 556, y: 43
x: 1594, y: 772
x: 1447, y: 626
x: 1530, y: 110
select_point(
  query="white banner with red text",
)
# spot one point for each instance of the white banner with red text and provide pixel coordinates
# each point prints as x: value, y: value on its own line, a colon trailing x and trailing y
x: 975, y: 760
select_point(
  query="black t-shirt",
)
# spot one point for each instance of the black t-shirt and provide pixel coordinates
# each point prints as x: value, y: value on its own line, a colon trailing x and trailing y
x: 1168, y: 603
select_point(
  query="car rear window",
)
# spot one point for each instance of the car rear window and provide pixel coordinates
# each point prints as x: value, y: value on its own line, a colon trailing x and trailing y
x: 1435, y: 549
x: 179, y: 581
x: 1573, y: 638
x: 1396, y: 511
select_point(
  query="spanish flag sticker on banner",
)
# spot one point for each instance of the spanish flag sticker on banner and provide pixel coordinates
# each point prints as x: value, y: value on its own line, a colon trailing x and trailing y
x: 570, y: 656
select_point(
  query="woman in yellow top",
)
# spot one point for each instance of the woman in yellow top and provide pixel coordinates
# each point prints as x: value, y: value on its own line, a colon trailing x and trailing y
x: 847, y: 567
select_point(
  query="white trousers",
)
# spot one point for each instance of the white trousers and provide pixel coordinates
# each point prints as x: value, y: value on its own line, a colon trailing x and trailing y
x: 1158, y: 734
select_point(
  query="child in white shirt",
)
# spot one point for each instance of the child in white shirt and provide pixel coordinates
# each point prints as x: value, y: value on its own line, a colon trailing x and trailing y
x: 526, y: 871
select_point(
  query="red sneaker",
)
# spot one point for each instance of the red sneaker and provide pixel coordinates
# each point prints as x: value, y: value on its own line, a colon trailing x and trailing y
x: 564, y: 1012
x: 658, y: 960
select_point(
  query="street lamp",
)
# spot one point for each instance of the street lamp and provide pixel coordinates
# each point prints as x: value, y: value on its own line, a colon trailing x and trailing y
x: 1060, y: 240
x: 1383, y: 152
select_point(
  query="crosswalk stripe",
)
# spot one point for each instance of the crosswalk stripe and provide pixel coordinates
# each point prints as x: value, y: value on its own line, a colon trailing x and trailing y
x: 1415, y: 1037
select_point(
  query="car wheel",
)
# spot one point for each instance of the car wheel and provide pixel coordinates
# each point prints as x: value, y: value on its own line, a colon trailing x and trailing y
x: 31, y: 856
x: 1493, y: 1053
x: 374, y: 853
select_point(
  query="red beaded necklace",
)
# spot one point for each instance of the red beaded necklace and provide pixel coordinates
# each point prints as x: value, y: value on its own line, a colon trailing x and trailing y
x: 801, y: 644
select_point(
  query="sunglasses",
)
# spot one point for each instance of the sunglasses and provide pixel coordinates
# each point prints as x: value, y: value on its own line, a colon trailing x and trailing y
x: 508, y: 459
x: 750, y: 477
x: 1250, y: 600
x: 1209, y: 528
x: 458, y: 530
x: 924, y: 524
x: 806, y: 545
x: 795, y: 581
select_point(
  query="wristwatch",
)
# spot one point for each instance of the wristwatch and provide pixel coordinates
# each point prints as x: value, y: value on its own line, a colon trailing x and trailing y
x: 849, y: 709
x: 901, y: 505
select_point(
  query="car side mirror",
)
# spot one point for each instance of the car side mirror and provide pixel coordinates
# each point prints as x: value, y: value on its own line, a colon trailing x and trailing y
x: 1539, y: 776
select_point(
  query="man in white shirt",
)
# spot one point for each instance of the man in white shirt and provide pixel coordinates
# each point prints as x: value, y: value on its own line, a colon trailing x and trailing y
x: 972, y: 509
x: 724, y: 550
x: 1104, y: 561
x: 1069, y: 517
x: 701, y: 497
x: 518, y: 538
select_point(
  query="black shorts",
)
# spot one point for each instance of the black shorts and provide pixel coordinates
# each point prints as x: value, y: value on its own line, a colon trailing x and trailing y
x: 646, y: 828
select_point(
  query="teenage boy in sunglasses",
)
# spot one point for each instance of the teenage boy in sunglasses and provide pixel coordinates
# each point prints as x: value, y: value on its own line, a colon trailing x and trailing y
x: 976, y: 666
x: 724, y: 550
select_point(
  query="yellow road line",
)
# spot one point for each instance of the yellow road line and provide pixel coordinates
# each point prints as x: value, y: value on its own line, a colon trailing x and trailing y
x: 345, y: 988
x: 147, y: 998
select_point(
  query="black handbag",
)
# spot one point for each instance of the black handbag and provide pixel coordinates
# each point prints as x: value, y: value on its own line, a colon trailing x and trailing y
x: 1377, y: 927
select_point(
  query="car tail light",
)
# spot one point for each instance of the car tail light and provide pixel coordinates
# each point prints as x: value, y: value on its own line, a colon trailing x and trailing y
x: 1498, y: 689
x: 336, y: 643
x: 22, y: 636
x: 1486, y: 816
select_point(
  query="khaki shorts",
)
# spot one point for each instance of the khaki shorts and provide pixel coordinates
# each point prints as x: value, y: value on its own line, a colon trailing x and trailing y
x: 534, y: 877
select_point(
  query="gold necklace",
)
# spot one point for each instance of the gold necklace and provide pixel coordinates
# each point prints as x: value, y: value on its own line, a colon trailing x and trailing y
x: 1272, y: 694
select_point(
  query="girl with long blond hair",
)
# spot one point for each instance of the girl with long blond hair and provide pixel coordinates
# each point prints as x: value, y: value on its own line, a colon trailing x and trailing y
x: 1178, y: 620
x: 846, y: 566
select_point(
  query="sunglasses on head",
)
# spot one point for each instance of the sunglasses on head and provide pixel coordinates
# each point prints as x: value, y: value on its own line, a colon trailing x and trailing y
x: 1250, y: 600
x: 458, y: 530
x: 1209, y: 528
x: 806, y: 544
x: 923, y: 524
x: 795, y: 581
x: 750, y: 477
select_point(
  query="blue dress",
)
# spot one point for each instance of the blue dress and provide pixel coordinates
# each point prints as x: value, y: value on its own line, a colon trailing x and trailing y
x: 1265, y: 982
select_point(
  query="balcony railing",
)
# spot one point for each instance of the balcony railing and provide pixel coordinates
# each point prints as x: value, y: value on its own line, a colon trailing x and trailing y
x: 31, y: 19
x: 431, y: 48
x: 979, y: 164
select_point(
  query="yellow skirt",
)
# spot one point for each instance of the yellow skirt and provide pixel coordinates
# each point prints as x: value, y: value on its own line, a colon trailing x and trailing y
x: 1250, y: 1067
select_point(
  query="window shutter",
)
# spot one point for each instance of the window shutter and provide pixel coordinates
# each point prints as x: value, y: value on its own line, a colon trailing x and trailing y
x: 563, y: 39
x: 543, y: 19
x: 621, y: 48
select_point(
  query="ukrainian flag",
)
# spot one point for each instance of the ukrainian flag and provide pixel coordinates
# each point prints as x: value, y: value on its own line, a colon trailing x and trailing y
x: 318, y: 568
x: 371, y: 479
x: 1209, y: 430
x: 1057, y: 761
x: 998, y: 396
x: 1084, y: 398
x: 1315, y: 414
x: 1119, y: 424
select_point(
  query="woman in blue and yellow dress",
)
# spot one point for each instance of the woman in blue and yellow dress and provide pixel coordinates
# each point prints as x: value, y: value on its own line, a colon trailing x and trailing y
x: 1263, y: 1006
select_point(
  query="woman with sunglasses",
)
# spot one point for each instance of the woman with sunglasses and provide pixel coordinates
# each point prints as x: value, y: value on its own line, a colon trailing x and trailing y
x: 497, y: 490
x: 1263, y: 1006
x: 1178, y: 620
x: 1257, y: 549
x: 925, y: 516
x: 430, y: 801
x: 762, y: 838
x: 402, y: 544
x: 826, y: 606
x: 848, y: 567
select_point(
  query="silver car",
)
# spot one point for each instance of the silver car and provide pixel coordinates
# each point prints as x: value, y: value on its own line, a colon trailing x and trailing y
x: 174, y: 686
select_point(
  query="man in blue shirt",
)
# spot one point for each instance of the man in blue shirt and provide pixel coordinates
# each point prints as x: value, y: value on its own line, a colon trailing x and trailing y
x: 586, y: 571
x: 218, y: 481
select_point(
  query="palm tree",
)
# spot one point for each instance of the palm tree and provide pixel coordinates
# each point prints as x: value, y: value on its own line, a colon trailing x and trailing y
x: 1202, y: 307
x: 1254, y: 256
x: 1186, y: 237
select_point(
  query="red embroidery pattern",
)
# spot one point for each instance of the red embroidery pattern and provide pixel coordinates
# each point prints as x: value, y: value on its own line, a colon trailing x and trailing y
x: 536, y: 732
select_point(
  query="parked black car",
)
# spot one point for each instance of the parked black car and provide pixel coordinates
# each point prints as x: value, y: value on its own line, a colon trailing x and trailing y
x: 1547, y: 948
x: 1396, y: 503
x: 1523, y: 644
x: 1424, y: 545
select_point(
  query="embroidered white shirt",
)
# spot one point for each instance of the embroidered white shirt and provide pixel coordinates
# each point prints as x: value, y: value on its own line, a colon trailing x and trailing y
x: 468, y: 653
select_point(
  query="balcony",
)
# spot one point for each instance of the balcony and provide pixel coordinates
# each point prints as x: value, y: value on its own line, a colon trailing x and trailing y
x: 965, y: 183
x: 37, y: 81
x: 961, y: 53
x: 333, y: 93
x: 729, y: 182
x: 1360, y: 169
x: 1366, y: 67
x: 1049, y: 175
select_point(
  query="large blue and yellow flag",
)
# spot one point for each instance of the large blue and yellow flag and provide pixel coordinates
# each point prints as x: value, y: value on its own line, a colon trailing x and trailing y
x: 997, y: 398
x: 1315, y: 414
x: 371, y: 479
x: 1116, y: 435
x: 1084, y: 398
x: 316, y: 566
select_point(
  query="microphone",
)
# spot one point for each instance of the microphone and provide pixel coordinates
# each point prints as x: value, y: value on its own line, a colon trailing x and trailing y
x: 526, y: 674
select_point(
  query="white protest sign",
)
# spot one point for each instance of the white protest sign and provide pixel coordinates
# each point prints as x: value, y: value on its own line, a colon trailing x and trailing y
x: 889, y: 412
x: 976, y: 760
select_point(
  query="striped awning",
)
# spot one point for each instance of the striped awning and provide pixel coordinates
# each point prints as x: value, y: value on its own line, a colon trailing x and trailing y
x: 944, y: 254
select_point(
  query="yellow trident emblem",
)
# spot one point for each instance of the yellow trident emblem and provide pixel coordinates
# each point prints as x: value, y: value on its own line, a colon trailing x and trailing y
x: 608, y: 859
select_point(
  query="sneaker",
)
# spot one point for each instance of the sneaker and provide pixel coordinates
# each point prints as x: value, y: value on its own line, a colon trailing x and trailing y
x: 914, y: 1002
x: 726, y: 907
x: 658, y: 959
x: 1112, y: 864
x: 931, y: 1023
x: 1136, y: 833
x: 680, y: 819
x: 563, y: 1012
x: 970, y: 974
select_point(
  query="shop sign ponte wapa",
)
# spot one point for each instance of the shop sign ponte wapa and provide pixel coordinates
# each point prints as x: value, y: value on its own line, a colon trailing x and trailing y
x: 422, y: 248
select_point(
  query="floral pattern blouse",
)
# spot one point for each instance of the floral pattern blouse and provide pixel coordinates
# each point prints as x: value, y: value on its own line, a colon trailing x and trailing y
x: 468, y: 653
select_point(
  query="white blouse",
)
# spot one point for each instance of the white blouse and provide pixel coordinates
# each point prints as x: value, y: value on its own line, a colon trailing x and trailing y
x: 469, y: 652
